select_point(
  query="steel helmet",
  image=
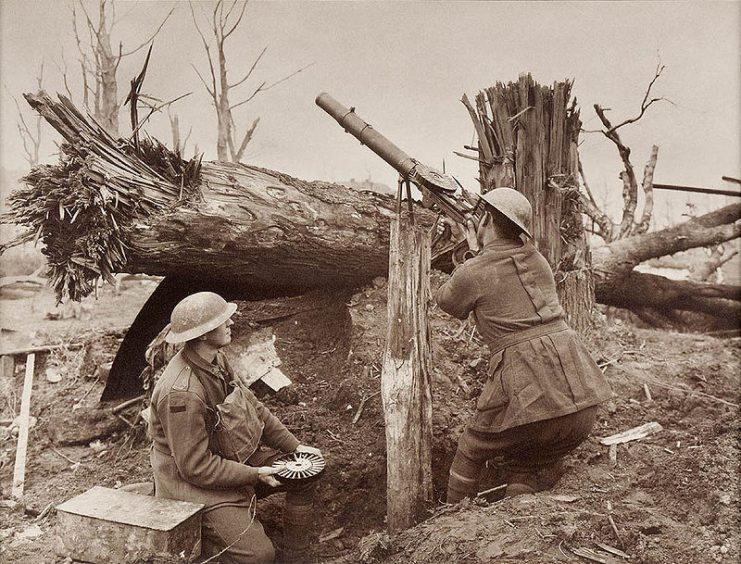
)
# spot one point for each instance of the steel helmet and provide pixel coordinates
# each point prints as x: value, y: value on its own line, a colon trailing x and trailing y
x: 513, y: 205
x: 198, y: 314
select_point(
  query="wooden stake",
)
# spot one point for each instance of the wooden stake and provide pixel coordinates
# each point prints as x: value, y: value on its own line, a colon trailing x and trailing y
x: 405, y: 378
x: 612, y: 453
x: 19, y: 471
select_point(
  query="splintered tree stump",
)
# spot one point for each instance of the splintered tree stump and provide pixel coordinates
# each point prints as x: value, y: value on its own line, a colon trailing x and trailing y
x: 405, y: 378
x: 528, y: 136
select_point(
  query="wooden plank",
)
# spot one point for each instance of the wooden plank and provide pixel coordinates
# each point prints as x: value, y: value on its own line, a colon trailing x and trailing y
x: 633, y: 434
x: 405, y: 378
x: 19, y: 472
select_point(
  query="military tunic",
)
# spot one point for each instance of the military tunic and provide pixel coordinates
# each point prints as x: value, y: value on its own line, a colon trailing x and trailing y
x: 538, y: 369
x: 185, y: 458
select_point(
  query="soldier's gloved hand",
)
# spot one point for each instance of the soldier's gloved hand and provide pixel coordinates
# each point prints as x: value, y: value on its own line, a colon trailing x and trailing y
x: 309, y: 449
x: 265, y: 475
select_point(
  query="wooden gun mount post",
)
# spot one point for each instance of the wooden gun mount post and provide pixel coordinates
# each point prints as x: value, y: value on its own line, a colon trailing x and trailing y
x: 405, y: 377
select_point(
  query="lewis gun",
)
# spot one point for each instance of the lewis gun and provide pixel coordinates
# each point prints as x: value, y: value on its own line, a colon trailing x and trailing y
x: 439, y: 190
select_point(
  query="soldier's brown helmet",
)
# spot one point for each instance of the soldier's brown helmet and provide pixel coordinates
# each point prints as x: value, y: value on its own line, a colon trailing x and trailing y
x: 198, y: 314
x: 513, y: 205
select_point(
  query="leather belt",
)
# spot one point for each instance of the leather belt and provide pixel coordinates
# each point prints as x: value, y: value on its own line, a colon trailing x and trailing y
x: 527, y: 334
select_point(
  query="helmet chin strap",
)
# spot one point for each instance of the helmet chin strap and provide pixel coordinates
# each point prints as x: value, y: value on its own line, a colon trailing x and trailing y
x: 497, y: 227
x: 204, y: 349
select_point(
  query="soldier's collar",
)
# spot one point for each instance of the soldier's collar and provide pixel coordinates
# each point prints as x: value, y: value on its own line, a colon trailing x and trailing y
x: 197, y: 361
x: 503, y: 245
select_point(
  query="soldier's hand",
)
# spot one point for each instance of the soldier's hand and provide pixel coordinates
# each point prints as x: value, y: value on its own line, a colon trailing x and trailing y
x: 265, y: 475
x: 471, y: 233
x: 309, y: 449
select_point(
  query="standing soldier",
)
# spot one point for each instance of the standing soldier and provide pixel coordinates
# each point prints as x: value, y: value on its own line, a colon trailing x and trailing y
x: 206, y: 432
x: 540, y: 400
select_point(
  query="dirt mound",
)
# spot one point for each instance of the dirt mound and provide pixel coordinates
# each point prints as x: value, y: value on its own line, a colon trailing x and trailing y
x: 672, y: 497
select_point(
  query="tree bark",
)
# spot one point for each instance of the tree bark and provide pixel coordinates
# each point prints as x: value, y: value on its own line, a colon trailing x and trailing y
x: 405, y: 378
x: 269, y: 230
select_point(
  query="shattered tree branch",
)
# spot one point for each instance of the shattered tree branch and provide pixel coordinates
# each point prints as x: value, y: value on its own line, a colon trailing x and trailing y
x: 621, y: 256
x: 628, y: 225
x: 645, y: 104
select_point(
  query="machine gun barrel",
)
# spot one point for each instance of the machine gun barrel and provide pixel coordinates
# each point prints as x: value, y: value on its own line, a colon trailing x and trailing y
x: 439, y: 187
x: 364, y: 132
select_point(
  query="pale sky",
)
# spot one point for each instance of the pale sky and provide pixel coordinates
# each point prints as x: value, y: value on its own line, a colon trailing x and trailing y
x: 405, y: 65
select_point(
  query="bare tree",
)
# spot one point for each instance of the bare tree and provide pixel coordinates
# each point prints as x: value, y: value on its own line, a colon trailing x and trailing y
x: 31, y: 135
x: 99, y: 61
x: 223, y: 23
x: 607, y: 229
x: 178, y: 142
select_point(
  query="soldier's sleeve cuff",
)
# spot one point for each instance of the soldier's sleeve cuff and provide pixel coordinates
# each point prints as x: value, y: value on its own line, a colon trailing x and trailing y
x: 469, y: 254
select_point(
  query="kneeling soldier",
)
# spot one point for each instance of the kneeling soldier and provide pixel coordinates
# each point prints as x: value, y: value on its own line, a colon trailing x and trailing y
x: 207, y: 431
x: 541, y: 397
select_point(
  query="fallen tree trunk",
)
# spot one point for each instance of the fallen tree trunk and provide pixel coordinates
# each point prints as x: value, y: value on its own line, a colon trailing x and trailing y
x: 658, y: 299
x: 105, y: 208
x: 639, y: 290
x: 268, y: 230
x: 262, y: 231
x: 617, y: 259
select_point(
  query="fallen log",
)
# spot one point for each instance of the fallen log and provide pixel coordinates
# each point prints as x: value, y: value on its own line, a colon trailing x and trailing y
x: 642, y: 290
x: 268, y: 230
x: 106, y: 208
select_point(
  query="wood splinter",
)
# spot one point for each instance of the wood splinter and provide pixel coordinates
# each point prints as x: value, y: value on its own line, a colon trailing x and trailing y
x: 612, y: 453
x: 633, y: 434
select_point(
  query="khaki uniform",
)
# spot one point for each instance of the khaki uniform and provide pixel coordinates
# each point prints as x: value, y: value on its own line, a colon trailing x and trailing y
x: 185, y: 457
x: 539, y: 370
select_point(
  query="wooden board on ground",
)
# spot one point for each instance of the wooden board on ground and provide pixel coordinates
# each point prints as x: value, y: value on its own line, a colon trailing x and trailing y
x: 633, y: 434
x: 127, y: 527
x: 19, y: 471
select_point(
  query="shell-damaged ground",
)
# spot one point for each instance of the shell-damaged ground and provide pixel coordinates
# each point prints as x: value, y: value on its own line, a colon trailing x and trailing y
x: 671, y: 497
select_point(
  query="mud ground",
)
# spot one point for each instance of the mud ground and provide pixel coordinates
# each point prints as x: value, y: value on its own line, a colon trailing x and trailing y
x: 672, y: 497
